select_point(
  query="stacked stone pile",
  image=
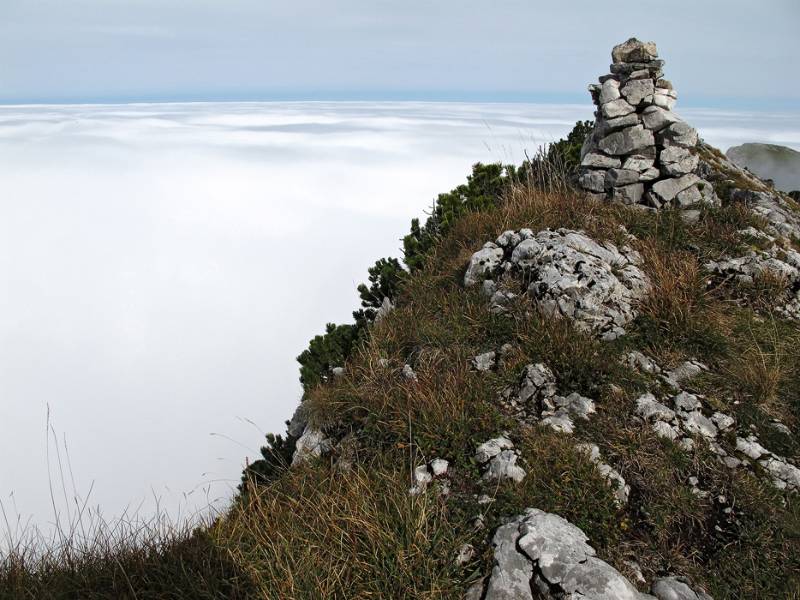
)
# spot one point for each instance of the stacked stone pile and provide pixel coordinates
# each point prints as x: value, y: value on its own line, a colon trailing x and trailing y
x: 640, y: 152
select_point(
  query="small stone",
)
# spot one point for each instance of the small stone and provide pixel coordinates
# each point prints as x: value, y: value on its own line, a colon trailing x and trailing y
x: 609, y: 91
x: 594, y: 181
x: 650, y: 174
x: 751, y: 448
x: 684, y: 372
x: 665, y: 430
x: 638, y: 163
x: 503, y: 466
x: 612, y: 125
x: 483, y: 264
x: 312, y: 444
x: 628, y: 194
x: 485, y: 361
x: 639, y: 361
x: 337, y: 371
x: 600, y: 161
x: 656, y: 118
x: 636, y: 90
x: 650, y: 409
x: 616, y: 108
x: 667, y: 190
x: 678, y: 134
x: 696, y: 422
x: 492, y: 448
x: 653, y: 67
x: 422, y: 478
x: 489, y: 288
x: 439, y: 467
x: 465, y: 554
x: 627, y: 141
x: 689, y: 197
x: 676, y: 588
x: 508, y: 239
x: 634, y: 50
x: 620, y: 177
x: 677, y: 161
x: 409, y: 373
x: 722, y: 421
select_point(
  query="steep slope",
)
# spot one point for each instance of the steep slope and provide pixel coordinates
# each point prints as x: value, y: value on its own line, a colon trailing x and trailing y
x: 769, y: 161
x: 570, y: 396
x: 564, y: 397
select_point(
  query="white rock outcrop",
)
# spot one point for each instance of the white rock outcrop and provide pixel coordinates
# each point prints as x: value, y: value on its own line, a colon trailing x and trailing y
x: 567, y: 274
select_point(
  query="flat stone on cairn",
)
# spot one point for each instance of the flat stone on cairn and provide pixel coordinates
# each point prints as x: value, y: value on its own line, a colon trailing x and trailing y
x: 640, y: 152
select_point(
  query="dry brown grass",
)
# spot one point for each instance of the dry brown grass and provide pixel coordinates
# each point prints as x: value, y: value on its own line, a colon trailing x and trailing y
x: 315, y: 534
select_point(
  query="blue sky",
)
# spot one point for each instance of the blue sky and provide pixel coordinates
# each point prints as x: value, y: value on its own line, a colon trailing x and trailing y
x: 730, y: 52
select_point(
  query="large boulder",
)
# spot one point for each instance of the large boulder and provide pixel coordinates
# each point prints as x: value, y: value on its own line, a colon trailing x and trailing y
x: 541, y: 555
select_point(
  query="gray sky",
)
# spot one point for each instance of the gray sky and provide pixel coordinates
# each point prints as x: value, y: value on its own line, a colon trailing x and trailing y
x: 731, y: 52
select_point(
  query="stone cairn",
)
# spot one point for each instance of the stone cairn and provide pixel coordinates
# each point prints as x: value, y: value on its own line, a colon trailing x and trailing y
x: 640, y: 152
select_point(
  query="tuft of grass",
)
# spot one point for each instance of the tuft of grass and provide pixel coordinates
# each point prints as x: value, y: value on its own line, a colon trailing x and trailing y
x: 318, y: 534
x: 125, y: 560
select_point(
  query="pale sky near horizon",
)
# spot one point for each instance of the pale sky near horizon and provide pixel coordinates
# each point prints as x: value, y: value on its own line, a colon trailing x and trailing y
x: 731, y: 52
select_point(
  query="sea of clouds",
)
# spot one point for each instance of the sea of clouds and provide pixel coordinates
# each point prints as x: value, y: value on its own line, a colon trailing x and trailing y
x: 162, y: 265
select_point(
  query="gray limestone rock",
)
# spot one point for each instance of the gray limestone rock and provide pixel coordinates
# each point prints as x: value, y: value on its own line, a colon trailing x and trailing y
x: 781, y: 219
x: 782, y: 263
x: 628, y: 194
x: 676, y: 588
x: 634, y: 50
x: 492, y: 448
x: 542, y: 551
x: 677, y: 161
x: 312, y: 444
x: 483, y: 264
x: 636, y: 90
x: 627, y: 141
x: 684, y: 372
x: 298, y: 422
x: 653, y: 67
x: 667, y: 190
x: 609, y: 91
x: 619, y: 177
x: 571, y: 275
x: 612, y: 125
x: 638, y: 162
x: 596, y: 160
x: 656, y: 118
x: 678, y: 134
x: 650, y: 409
x: 594, y: 181
x: 504, y: 466
x: 408, y: 373
x: 621, y: 489
x: 485, y: 361
x: 650, y: 174
x: 512, y: 572
x: 616, y: 108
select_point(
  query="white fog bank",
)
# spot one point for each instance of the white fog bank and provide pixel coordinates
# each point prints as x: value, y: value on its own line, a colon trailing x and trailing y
x: 161, y: 266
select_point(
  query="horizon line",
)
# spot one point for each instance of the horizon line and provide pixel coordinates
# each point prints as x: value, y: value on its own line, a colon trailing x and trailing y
x: 502, y: 97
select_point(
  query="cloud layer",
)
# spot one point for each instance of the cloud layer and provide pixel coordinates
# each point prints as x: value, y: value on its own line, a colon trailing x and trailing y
x: 162, y: 265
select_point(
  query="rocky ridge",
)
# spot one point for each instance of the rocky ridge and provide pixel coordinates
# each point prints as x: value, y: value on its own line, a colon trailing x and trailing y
x: 645, y: 156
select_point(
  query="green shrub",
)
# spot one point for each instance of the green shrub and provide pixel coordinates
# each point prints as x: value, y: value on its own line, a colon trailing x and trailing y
x: 385, y: 278
x: 277, y: 456
x: 326, y: 352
